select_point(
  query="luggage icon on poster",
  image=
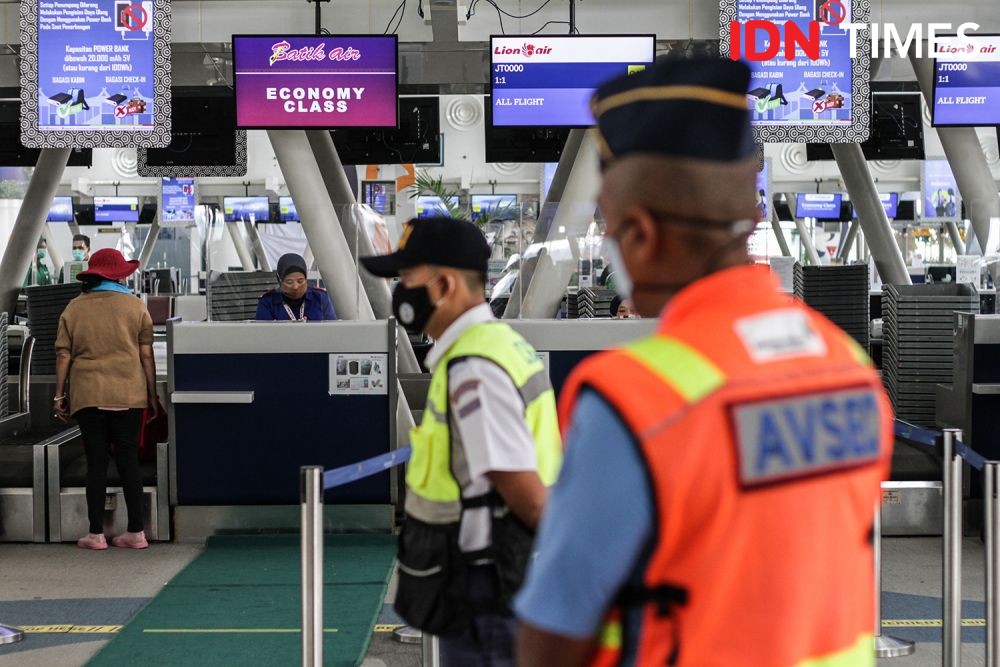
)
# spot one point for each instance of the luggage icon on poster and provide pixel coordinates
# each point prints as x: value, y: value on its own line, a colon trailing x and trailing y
x: 770, y: 98
x: 70, y: 103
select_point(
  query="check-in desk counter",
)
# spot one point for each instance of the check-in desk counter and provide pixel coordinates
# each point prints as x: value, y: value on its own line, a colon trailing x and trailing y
x: 563, y: 344
x: 252, y: 402
x: 22, y: 487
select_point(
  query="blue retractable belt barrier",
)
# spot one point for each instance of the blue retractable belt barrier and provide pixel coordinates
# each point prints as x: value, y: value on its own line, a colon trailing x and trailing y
x: 929, y: 438
x: 355, y: 471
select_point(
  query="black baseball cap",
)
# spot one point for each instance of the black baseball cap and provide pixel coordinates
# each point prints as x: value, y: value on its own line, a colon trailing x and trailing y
x: 440, y: 241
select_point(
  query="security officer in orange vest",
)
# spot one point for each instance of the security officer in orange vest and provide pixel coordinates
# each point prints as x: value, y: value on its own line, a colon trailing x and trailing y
x: 716, y: 502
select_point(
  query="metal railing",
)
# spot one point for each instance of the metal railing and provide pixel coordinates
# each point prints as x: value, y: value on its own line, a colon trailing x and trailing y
x: 313, y: 482
x: 954, y: 452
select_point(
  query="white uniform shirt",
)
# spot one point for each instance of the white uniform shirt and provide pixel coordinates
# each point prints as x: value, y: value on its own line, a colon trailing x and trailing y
x: 488, y: 412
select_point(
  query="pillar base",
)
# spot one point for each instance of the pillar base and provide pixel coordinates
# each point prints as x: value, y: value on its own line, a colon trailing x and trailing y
x: 10, y: 635
x: 891, y: 647
x: 407, y: 635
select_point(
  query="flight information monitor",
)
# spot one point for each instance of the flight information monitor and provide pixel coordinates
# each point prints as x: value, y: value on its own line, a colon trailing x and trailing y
x: 820, y: 207
x: 967, y: 82
x: 61, y: 210
x: 116, y: 209
x: 101, y: 73
x: 286, y: 210
x: 308, y: 81
x: 890, y: 202
x: 763, y: 194
x: 500, y: 207
x: 548, y: 81
x: 178, y: 201
x: 236, y: 209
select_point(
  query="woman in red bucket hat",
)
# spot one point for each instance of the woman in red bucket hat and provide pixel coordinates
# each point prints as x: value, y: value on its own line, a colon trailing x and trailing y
x: 105, y: 350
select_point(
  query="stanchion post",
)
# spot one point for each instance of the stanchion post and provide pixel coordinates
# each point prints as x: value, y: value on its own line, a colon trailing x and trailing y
x: 430, y: 651
x: 951, y: 650
x: 885, y: 645
x: 312, y: 566
x: 991, y: 503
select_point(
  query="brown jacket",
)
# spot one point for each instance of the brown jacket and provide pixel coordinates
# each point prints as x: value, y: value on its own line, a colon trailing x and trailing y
x: 102, y: 332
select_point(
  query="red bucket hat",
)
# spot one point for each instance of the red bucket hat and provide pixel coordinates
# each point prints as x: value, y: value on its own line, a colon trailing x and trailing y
x: 110, y: 264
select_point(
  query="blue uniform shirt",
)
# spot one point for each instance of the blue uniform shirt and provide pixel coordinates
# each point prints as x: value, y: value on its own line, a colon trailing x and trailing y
x: 318, y: 306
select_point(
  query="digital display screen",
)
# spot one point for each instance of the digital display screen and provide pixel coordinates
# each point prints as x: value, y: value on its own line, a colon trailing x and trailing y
x: 430, y: 207
x: 890, y: 202
x: 96, y: 65
x: 254, y: 209
x: 116, y: 209
x: 499, y: 207
x: 326, y: 81
x: 800, y: 92
x: 820, y: 207
x: 286, y: 210
x: 380, y: 195
x: 764, y: 192
x: 177, y: 201
x: 967, y: 82
x: 61, y: 210
x: 548, y: 81
x: 942, y: 201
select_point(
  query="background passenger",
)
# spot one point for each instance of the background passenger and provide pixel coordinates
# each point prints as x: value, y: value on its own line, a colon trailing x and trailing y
x: 104, y: 349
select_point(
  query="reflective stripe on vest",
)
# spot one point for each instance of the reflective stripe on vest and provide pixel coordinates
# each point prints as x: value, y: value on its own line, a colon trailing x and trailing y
x: 690, y: 373
x: 861, y: 654
x: 438, y: 470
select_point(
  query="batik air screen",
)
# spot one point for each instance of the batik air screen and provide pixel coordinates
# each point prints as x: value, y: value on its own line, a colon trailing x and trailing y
x: 548, y: 81
x: 326, y: 81
x: 95, y: 65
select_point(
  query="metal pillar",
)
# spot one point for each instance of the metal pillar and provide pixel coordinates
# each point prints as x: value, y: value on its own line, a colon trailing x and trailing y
x: 53, y: 250
x: 956, y: 237
x: 951, y: 649
x: 779, y: 233
x: 808, y: 242
x: 23, y: 242
x: 150, y: 243
x: 871, y: 214
x: 333, y: 255
x: 852, y: 233
x: 968, y: 163
x: 885, y: 645
x: 430, y: 651
x: 546, y: 216
x: 548, y: 284
x: 257, y: 245
x: 343, y: 199
x: 311, y: 484
x: 246, y: 260
x: 991, y: 472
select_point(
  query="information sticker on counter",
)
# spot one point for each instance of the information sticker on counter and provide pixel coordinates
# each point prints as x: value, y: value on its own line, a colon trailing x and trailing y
x: 968, y: 269
x: 97, y: 75
x: 359, y: 374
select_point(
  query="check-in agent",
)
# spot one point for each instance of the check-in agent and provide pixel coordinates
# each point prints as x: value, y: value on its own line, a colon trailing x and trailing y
x: 295, y: 300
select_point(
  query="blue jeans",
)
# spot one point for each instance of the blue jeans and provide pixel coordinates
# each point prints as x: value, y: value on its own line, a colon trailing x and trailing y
x: 489, y: 639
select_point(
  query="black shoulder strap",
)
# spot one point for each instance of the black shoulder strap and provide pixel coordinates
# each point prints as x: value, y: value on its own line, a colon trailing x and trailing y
x: 665, y: 597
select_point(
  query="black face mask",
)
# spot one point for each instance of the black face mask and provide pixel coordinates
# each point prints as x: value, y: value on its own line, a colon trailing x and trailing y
x: 412, y: 307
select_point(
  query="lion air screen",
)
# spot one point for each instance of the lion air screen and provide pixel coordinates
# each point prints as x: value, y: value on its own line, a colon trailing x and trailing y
x: 548, y: 81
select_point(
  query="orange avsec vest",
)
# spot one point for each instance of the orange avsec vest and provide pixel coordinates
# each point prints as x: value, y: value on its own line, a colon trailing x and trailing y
x: 766, y: 434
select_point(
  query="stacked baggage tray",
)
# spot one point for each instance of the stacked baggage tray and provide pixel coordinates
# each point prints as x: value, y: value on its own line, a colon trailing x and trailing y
x: 46, y: 304
x: 840, y: 293
x: 592, y: 302
x: 232, y: 297
x: 918, y: 348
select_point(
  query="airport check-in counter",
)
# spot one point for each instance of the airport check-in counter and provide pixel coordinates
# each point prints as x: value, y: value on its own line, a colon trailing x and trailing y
x: 22, y: 487
x: 562, y: 344
x: 252, y: 402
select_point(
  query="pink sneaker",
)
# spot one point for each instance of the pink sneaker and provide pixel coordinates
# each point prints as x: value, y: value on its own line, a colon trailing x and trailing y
x: 92, y: 541
x: 131, y: 540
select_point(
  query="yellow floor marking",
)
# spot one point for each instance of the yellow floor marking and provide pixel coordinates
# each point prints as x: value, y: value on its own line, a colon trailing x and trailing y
x: 71, y: 629
x: 931, y: 623
x: 225, y: 631
x: 387, y: 627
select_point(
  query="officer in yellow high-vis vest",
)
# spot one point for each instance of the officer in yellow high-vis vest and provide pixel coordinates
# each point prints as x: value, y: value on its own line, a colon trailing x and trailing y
x: 484, y: 454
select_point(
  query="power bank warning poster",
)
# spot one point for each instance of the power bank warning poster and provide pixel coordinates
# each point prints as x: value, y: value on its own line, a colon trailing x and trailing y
x: 96, y: 65
x: 325, y: 81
